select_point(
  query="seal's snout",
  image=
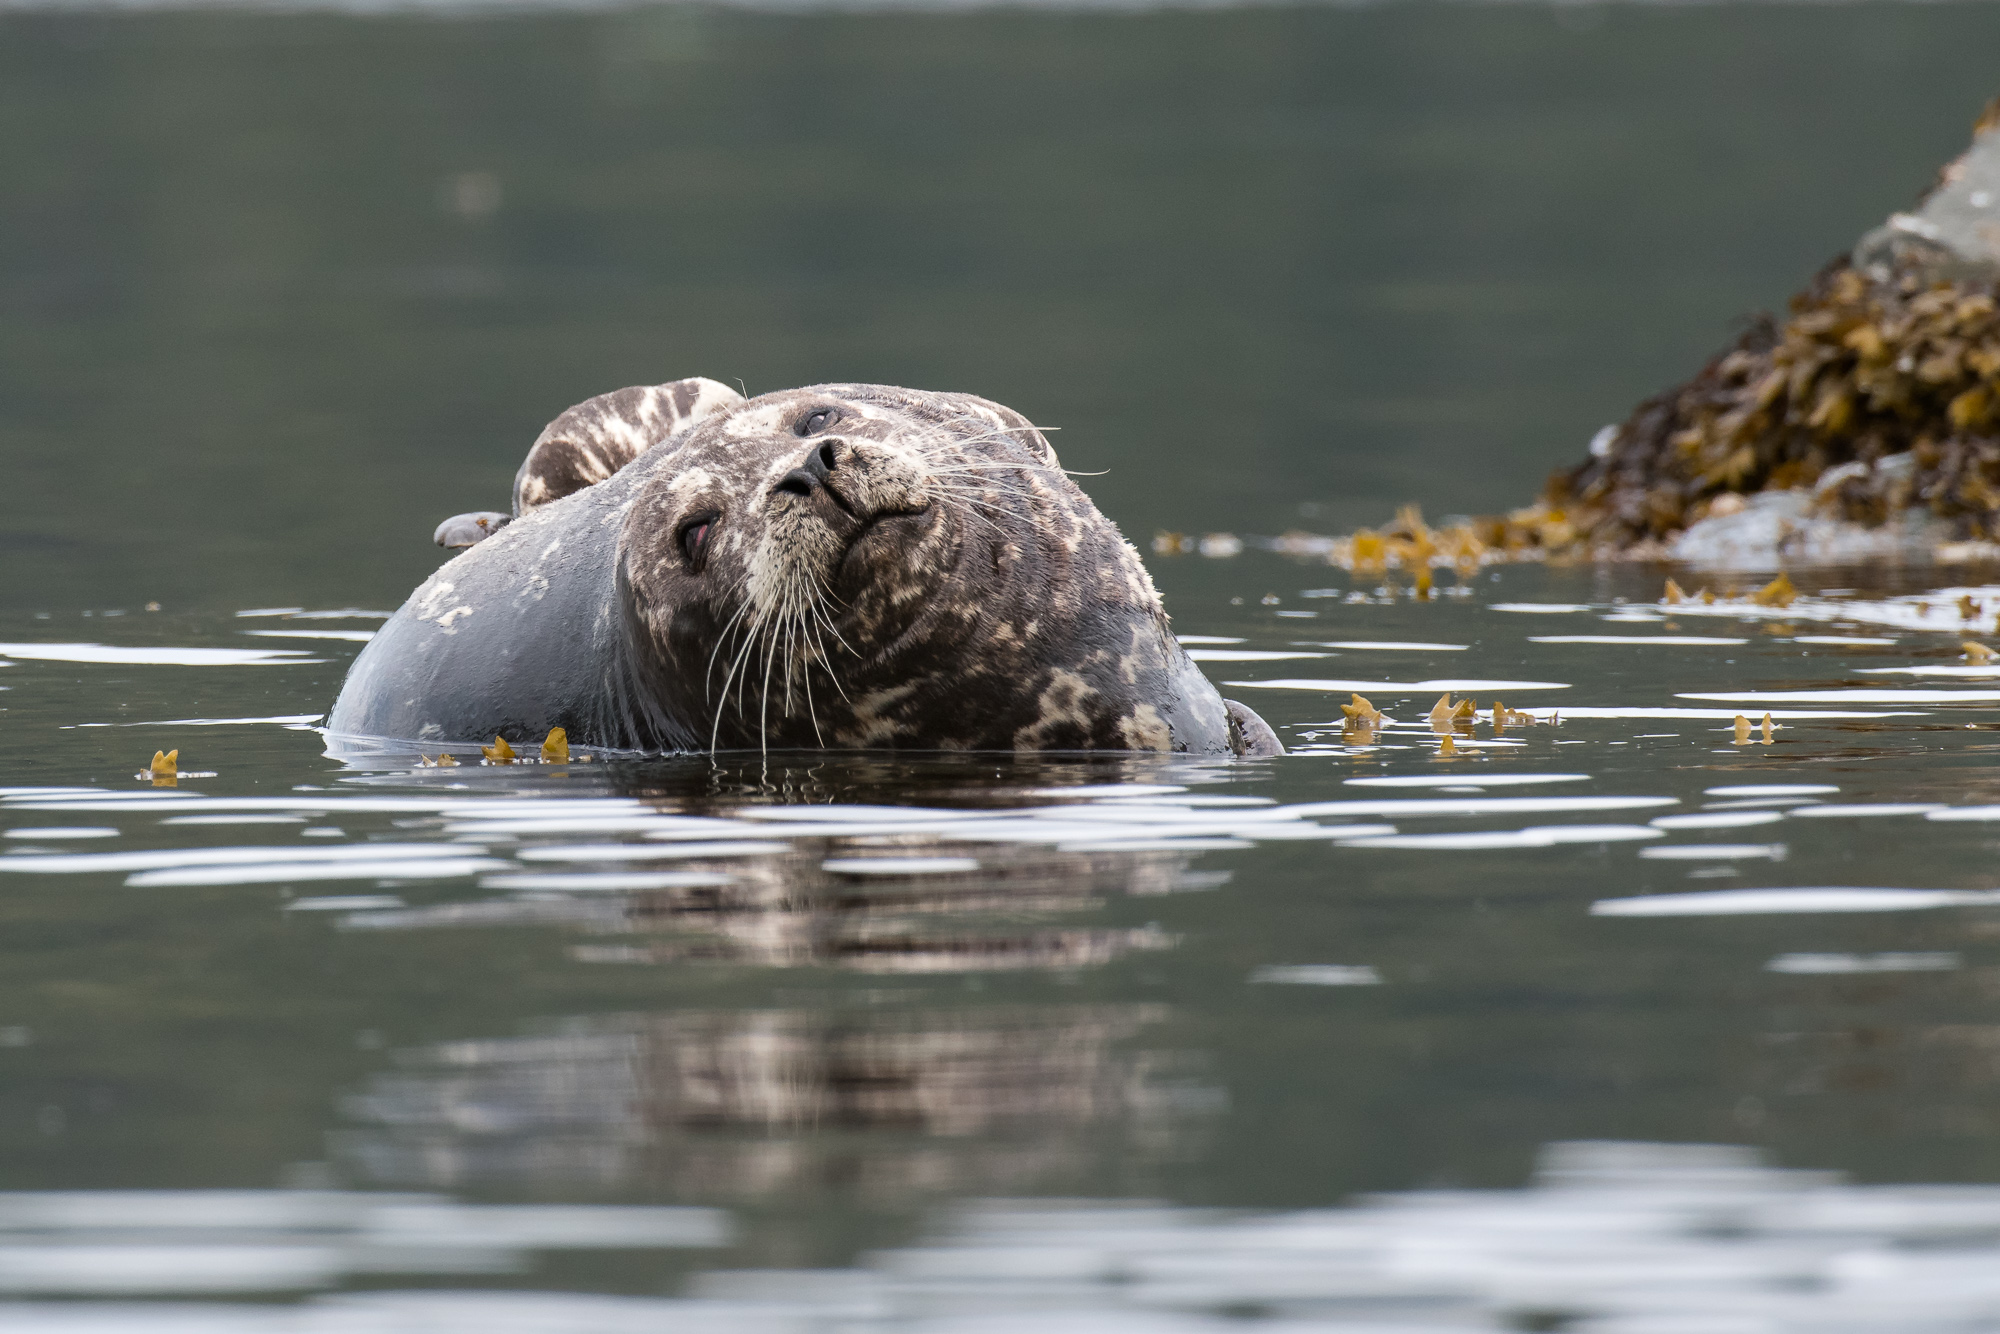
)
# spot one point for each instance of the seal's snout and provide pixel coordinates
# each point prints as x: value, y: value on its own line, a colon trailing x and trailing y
x: 813, y: 473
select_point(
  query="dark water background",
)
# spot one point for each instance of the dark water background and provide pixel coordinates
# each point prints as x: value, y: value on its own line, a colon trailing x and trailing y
x: 255, y: 347
x: 279, y: 292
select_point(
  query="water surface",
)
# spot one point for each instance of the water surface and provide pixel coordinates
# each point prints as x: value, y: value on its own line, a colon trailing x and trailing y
x: 1607, y: 1018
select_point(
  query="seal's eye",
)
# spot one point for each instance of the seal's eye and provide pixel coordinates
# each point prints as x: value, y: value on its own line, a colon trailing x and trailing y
x: 694, y: 539
x: 817, y: 420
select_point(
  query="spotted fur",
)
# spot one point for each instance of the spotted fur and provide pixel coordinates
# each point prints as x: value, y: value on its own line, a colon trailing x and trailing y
x: 600, y: 435
x: 837, y: 566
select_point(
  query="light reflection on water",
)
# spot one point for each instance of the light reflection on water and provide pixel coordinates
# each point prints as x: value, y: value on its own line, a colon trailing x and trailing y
x: 1614, y: 1238
x: 210, y: 1242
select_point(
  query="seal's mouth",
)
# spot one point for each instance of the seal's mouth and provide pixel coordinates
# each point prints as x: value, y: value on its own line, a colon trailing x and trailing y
x: 840, y: 502
x: 875, y: 532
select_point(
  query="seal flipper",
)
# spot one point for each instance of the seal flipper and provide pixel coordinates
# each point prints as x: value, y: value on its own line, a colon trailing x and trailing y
x: 1250, y: 736
x: 463, y: 530
x: 599, y: 436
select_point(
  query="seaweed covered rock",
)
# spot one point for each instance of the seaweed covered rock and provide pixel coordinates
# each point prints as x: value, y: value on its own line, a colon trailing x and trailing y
x: 1864, y: 427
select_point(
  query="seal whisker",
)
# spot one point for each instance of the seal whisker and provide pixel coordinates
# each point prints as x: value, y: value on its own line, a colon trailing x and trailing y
x: 956, y: 445
x: 820, y: 604
x: 795, y: 663
x: 984, y: 479
x: 796, y: 638
x: 722, y: 636
x: 764, y: 695
x: 992, y: 435
x: 805, y: 676
x: 755, y: 630
x: 967, y: 484
x: 816, y: 608
x: 749, y: 635
x: 722, y: 702
x: 979, y: 490
x: 968, y: 504
x: 964, y: 508
x: 842, y: 689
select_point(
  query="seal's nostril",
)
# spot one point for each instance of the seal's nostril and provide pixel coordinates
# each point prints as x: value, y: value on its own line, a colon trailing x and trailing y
x: 797, y: 482
x: 819, y: 463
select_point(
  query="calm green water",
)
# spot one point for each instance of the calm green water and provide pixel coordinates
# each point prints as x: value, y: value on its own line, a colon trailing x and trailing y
x: 278, y: 293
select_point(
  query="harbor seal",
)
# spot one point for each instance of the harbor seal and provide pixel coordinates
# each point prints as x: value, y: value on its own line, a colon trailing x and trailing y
x: 840, y: 566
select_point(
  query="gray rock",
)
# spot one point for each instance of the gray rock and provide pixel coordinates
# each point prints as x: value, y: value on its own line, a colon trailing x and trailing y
x: 1954, y: 235
x: 1785, y: 530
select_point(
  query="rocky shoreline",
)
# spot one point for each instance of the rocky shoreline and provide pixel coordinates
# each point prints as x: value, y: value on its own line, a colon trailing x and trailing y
x: 1862, y: 429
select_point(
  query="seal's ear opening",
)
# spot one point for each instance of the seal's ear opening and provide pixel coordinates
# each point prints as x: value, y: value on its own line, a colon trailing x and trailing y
x: 1250, y: 736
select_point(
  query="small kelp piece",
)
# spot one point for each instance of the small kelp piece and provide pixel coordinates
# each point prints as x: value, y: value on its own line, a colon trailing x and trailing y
x: 1447, y: 748
x: 165, y: 770
x: 1780, y: 592
x: 499, y: 752
x: 1362, y: 713
x: 1359, y: 721
x: 1977, y: 654
x: 1673, y: 596
x: 1505, y: 717
x: 1441, y: 713
x: 1370, y: 551
x: 555, y: 749
x: 1742, y: 730
x: 443, y: 761
x: 1768, y: 729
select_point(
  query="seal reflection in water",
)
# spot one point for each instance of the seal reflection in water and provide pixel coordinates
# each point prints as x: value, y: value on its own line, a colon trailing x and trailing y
x: 884, y: 1101
x: 838, y: 566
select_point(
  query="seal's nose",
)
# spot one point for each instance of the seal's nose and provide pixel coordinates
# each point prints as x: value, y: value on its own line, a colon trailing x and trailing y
x: 803, y: 480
